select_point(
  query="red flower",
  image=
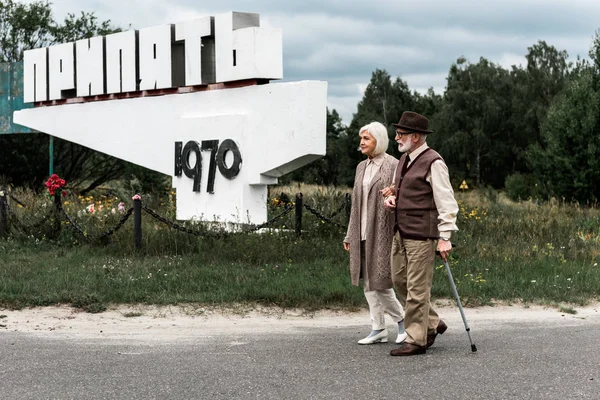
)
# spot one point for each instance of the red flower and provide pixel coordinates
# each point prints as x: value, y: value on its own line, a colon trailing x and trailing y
x: 54, y: 183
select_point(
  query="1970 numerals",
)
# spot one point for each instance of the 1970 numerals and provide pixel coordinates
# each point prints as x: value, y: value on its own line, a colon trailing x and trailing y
x: 217, y: 156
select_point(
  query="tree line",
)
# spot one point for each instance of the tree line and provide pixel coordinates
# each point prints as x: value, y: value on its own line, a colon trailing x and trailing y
x: 532, y: 130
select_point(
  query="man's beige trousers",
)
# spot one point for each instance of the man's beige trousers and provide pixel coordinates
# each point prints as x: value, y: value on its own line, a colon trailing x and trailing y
x: 412, y: 274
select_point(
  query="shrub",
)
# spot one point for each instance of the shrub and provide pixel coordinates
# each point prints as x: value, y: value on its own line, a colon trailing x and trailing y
x: 522, y: 187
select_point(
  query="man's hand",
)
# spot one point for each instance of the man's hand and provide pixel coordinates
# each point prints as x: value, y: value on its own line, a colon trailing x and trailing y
x: 346, y: 246
x: 390, y: 203
x: 444, y: 247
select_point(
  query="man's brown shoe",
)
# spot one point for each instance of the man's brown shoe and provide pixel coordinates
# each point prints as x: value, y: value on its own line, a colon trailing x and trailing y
x: 408, y: 349
x: 441, y: 328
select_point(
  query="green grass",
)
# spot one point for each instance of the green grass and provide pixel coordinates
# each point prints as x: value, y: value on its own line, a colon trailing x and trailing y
x: 86, y: 276
x: 567, y: 310
x: 132, y: 314
x: 533, y: 253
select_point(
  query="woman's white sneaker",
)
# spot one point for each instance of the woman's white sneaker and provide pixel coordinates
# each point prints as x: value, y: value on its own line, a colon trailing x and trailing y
x: 375, y: 337
x: 401, y: 332
x: 401, y: 337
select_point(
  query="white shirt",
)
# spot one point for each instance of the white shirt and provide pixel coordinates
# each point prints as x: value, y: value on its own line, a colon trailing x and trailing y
x: 372, y: 168
x: 443, y: 194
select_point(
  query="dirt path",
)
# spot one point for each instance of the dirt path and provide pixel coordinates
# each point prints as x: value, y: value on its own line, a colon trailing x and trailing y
x: 181, y: 322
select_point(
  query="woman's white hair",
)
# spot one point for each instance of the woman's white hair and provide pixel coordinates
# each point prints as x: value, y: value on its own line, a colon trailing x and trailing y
x: 380, y: 134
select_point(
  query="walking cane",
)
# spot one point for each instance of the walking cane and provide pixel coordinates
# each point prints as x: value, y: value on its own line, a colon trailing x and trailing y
x: 462, y: 312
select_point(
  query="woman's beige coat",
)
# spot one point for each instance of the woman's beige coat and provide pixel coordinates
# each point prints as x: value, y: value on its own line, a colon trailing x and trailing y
x: 380, y: 227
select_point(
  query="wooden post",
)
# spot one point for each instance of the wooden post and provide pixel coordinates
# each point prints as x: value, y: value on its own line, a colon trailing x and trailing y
x: 298, y: 214
x: 137, y: 221
x: 57, y: 214
x: 348, y: 207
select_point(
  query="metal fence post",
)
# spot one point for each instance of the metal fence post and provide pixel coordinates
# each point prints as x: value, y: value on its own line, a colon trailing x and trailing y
x: 137, y: 221
x: 298, y: 214
x: 57, y: 213
x: 348, y: 207
x: 3, y: 214
x: 57, y: 201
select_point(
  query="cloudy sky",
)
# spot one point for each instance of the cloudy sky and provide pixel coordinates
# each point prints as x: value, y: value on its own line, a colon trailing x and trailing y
x: 344, y: 41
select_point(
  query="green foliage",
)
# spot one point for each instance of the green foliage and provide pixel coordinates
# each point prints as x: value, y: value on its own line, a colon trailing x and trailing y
x: 474, y: 122
x: 521, y: 187
x: 541, y: 252
x: 490, y: 117
x: 89, y: 303
x: 138, y: 179
x: 545, y: 76
x: 568, y: 158
x: 531, y: 129
x: 83, y: 27
x: 99, y: 212
x: 567, y: 310
x: 384, y: 101
x: 29, y: 26
x: 23, y: 27
x: 24, y: 158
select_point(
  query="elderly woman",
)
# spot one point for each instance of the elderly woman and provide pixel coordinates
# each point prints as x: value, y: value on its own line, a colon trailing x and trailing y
x: 370, y: 233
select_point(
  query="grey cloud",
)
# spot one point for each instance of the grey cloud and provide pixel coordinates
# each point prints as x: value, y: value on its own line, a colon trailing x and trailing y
x: 343, y: 42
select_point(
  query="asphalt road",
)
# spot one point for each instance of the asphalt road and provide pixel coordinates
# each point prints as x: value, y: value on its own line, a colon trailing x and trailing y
x: 520, y: 359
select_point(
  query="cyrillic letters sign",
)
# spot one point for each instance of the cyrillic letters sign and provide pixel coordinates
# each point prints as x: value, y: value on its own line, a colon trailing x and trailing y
x: 149, y: 97
x: 224, y: 48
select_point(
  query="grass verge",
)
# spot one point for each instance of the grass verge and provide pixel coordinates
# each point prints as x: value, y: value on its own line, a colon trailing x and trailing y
x: 530, y: 252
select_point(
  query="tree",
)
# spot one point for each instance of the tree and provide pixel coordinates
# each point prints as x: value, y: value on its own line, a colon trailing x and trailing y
x: 83, y: 27
x: 567, y: 162
x: 27, y: 26
x: 383, y: 101
x: 428, y: 104
x: 473, y: 124
x: 535, y: 87
x: 23, y: 27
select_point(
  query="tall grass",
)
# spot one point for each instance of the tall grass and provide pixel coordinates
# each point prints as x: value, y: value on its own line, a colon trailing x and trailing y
x: 511, y: 251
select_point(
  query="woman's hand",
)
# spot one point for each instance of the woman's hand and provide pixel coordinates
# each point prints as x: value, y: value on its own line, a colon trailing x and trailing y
x: 346, y: 246
x: 387, y: 191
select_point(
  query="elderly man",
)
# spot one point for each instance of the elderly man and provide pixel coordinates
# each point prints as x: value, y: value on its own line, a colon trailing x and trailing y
x: 425, y: 208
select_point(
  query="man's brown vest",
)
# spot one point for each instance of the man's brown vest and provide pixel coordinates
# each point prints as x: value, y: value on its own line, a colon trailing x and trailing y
x: 416, y: 213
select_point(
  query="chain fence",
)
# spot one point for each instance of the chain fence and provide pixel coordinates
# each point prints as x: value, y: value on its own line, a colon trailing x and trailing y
x: 12, y: 217
x: 204, y: 233
x: 9, y: 218
x: 325, y: 218
x: 83, y: 233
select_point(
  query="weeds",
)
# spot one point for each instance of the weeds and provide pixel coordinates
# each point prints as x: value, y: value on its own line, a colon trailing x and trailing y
x: 567, y: 310
x: 525, y: 252
x: 132, y: 314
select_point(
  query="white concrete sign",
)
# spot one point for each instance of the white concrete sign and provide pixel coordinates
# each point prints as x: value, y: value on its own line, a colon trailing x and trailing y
x: 222, y: 147
x: 173, y: 55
